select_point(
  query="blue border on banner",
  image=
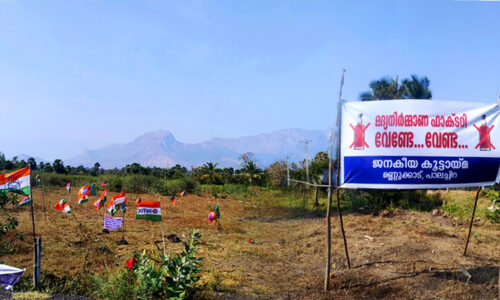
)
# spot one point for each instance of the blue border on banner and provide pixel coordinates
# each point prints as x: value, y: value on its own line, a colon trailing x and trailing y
x: 419, y: 171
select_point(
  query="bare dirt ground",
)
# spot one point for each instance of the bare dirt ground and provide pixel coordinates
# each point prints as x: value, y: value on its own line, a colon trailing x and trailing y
x: 397, y: 254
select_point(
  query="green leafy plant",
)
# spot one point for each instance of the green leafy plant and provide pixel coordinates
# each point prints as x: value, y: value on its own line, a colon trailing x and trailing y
x: 169, y: 277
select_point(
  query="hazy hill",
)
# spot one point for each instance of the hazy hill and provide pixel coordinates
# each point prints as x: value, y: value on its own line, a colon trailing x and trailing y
x: 161, y: 149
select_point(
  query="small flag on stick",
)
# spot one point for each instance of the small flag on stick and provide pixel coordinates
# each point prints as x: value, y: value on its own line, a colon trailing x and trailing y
x: 102, y: 199
x: 63, y: 206
x: 25, y: 201
x: 83, y: 194
x: 68, y: 187
x: 149, y: 210
x: 16, y: 182
x: 214, y: 215
x: 172, y: 200
x: 118, y: 201
x: 183, y: 193
x: 37, y: 178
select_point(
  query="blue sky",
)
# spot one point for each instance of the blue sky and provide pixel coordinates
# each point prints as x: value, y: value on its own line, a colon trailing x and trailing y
x: 88, y: 73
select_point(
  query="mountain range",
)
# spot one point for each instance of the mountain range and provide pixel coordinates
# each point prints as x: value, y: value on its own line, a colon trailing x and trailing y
x: 161, y: 149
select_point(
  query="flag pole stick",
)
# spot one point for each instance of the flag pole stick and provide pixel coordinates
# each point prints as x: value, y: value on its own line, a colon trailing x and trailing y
x: 123, y: 228
x: 43, y: 201
x: 162, y: 232
x: 32, y: 210
x: 36, y: 262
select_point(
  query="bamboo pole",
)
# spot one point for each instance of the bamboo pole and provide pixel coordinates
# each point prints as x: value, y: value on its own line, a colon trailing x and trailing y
x: 472, y: 220
x: 330, y: 186
x: 339, y: 126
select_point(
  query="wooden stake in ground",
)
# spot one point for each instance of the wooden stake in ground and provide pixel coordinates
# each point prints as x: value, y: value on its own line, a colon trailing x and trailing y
x: 342, y: 228
x: 316, y: 203
x: 36, y: 266
x: 330, y: 186
x: 43, y: 198
x: 472, y: 220
x: 162, y: 232
x: 123, y: 241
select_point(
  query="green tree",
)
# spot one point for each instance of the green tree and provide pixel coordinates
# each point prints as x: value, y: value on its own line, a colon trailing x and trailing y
x: 9, y: 165
x: 318, y: 166
x: 58, y: 166
x: 32, y: 163
x: 253, y: 174
x: 383, y: 89
x: 48, y: 168
x: 417, y: 88
x: 210, y: 173
x: 277, y: 173
x: 388, y: 88
x: 21, y: 164
x: 3, y: 161
x: 80, y: 170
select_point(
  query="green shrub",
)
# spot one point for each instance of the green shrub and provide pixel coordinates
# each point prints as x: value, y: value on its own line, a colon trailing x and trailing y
x: 169, y: 277
x: 139, y: 184
x: 115, y: 183
x: 172, y: 187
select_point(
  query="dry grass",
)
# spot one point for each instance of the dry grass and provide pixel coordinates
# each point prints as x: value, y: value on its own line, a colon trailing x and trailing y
x: 400, y: 254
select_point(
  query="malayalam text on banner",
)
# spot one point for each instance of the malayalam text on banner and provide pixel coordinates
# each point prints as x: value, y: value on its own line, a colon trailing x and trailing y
x: 419, y: 144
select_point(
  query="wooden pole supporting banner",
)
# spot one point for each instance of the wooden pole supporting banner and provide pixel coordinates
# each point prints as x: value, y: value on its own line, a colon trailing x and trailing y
x: 330, y: 186
x: 472, y: 220
x: 328, y: 235
x: 342, y: 229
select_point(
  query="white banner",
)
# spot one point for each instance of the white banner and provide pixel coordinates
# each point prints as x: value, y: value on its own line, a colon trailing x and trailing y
x: 419, y: 144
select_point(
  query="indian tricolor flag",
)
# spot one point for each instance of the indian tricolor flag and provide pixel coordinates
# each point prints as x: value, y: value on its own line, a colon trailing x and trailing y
x: 100, y: 202
x: 117, y: 202
x: 83, y: 194
x: 68, y: 187
x: 16, y: 182
x: 25, y: 201
x: 63, y: 206
x: 149, y: 210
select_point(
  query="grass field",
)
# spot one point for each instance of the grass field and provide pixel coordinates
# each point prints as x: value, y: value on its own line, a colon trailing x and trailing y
x: 395, y: 254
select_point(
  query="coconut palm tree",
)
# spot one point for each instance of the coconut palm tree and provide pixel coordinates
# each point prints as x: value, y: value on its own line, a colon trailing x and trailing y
x: 383, y: 89
x: 210, y: 173
x: 252, y: 172
x: 417, y: 88
x: 388, y: 88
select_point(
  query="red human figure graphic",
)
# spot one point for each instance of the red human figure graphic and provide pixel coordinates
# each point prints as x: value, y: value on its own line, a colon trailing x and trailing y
x: 484, y: 136
x: 359, y: 142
